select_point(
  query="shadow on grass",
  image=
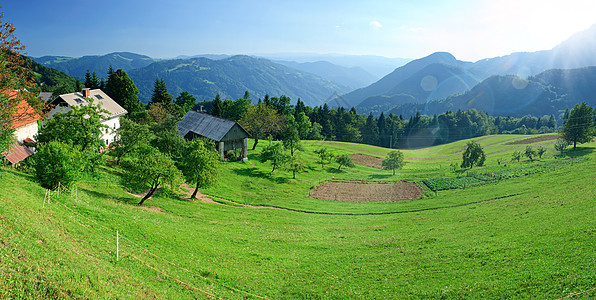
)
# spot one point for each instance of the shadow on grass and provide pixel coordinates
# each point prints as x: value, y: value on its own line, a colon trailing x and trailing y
x: 129, y: 199
x: 110, y: 169
x: 17, y: 173
x: 255, y: 172
x: 251, y: 172
x: 334, y: 170
x: 379, y: 176
x: 579, y: 152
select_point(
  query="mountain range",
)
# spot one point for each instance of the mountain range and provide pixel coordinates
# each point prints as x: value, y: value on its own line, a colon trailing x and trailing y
x: 77, y: 67
x: 436, y: 82
x: 231, y: 77
x: 547, y: 93
x: 439, y: 75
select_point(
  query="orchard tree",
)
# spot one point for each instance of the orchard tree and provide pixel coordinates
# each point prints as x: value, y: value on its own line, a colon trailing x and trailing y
x: 130, y: 137
x: 474, y: 155
x: 167, y: 138
x: 150, y: 169
x: 344, y: 160
x: 540, y: 151
x: 261, y: 120
x: 325, y: 156
x: 561, y: 145
x: 296, y: 165
x: 199, y: 164
x: 274, y: 153
x: 394, y: 161
x: 291, y: 137
x: 530, y: 152
x: 578, y: 127
x: 516, y: 155
x: 13, y: 78
x: 80, y: 126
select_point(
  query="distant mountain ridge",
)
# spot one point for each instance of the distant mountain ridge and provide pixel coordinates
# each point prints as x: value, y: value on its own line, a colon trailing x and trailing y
x: 77, y: 67
x: 390, y: 84
x: 456, y: 77
x: 550, y: 92
x: 231, y: 77
x: 354, y: 77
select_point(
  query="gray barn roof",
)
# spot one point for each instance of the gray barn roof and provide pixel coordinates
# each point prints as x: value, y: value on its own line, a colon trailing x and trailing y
x: 206, y: 125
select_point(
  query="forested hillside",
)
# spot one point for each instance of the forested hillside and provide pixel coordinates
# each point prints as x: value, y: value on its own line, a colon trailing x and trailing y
x: 231, y: 77
x: 77, y: 67
x: 547, y: 93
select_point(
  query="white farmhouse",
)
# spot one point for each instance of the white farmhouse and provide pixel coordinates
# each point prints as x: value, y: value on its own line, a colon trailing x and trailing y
x: 63, y: 103
x: 25, y: 126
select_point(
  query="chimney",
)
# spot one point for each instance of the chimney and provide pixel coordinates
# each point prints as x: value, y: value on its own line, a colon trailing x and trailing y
x: 86, y: 92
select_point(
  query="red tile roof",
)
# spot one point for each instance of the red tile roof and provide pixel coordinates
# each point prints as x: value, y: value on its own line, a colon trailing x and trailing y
x: 17, y: 153
x: 24, y: 113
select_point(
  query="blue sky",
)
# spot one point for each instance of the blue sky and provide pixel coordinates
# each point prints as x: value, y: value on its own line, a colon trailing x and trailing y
x: 469, y: 29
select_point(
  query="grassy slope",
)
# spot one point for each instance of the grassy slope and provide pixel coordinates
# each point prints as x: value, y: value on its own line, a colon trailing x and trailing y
x: 538, y: 243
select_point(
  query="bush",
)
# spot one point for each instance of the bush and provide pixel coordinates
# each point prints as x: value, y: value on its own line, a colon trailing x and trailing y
x: 57, y: 163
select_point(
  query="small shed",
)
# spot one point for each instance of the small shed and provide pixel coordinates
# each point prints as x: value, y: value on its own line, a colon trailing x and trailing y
x: 227, y: 134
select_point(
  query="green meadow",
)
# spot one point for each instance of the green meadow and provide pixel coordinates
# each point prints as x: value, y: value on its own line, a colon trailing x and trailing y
x: 526, y: 230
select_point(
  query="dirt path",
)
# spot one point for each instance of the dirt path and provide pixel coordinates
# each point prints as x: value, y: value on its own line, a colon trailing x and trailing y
x: 188, y: 190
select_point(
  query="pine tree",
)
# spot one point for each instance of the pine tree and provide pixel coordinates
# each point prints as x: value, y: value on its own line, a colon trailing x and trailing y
x: 218, y: 108
x: 160, y: 93
x: 123, y: 90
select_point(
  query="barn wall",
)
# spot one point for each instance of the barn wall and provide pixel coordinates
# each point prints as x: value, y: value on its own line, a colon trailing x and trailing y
x: 231, y: 145
x: 235, y: 133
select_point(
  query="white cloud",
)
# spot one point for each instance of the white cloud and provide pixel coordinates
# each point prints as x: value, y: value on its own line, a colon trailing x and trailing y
x: 375, y: 24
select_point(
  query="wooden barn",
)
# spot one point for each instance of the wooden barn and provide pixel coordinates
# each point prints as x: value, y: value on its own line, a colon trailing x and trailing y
x: 227, y: 134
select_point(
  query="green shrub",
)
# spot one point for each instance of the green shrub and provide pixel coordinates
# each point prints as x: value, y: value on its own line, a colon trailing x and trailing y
x: 57, y: 163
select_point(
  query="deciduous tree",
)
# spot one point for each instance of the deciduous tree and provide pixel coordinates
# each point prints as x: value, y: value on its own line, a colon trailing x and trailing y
x: 274, y: 153
x: 578, y: 127
x: 540, y: 151
x: 57, y: 163
x: 80, y: 126
x: 150, y: 169
x: 130, y: 137
x: 325, y: 156
x: 16, y: 83
x: 344, y: 160
x: 394, y: 161
x: 474, y: 155
x: 530, y: 152
x: 291, y: 137
x: 561, y: 145
x: 516, y: 155
x: 296, y: 165
x: 261, y: 120
x: 199, y: 164
x: 186, y: 101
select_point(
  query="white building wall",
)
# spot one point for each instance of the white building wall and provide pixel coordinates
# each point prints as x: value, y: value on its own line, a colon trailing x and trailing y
x: 26, y: 131
x: 109, y: 134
